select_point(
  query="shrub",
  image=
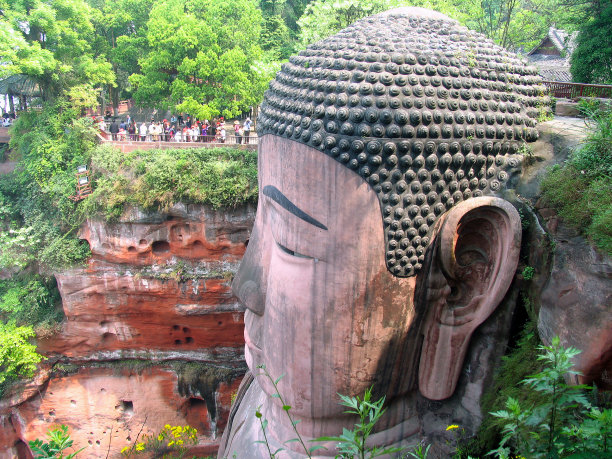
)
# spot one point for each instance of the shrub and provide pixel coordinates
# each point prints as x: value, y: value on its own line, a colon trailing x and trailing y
x: 30, y: 300
x: 158, y: 179
x: 18, y: 357
x: 58, y: 440
x: 563, y: 423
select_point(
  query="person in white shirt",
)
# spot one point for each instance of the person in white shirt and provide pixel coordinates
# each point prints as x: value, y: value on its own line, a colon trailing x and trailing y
x: 143, y: 132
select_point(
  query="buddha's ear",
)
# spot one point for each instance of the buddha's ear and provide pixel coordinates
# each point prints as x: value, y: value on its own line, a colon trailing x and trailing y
x: 477, y: 251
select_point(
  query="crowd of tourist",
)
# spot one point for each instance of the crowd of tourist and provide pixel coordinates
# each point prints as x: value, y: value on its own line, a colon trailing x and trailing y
x: 178, y: 129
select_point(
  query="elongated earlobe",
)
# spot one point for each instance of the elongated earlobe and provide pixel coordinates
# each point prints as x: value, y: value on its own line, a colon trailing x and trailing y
x: 477, y: 253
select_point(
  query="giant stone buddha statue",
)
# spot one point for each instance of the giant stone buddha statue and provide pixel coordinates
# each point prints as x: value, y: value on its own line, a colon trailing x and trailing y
x: 382, y: 238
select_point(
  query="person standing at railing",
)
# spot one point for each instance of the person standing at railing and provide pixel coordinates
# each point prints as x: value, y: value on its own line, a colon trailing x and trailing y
x: 222, y: 134
x: 143, y: 132
x: 114, y: 129
x: 131, y: 129
x: 237, y: 132
x: 195, y: 133
x: 247, y: 129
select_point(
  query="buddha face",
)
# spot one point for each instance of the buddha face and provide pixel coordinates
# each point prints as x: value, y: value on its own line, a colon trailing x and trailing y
x: 323, y: 309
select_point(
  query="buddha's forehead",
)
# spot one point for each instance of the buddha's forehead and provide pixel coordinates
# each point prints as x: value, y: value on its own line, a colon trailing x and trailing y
x: 426, y: 111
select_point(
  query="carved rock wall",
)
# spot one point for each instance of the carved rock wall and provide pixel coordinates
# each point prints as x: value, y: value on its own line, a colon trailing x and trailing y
x: 152, y: 336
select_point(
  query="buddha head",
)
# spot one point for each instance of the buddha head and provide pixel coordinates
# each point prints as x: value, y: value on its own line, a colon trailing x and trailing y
x: 382, y: 239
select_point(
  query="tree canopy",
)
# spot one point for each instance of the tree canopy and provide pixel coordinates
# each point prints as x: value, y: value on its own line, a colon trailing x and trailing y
x: 50, y: 41
x: 592, y: 58
x: 203, y: 57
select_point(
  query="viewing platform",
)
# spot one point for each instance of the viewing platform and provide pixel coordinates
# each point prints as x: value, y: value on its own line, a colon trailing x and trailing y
x: 126, y: 145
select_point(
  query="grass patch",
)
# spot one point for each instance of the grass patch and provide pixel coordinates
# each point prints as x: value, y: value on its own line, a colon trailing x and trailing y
x: 581, y: 189
x: 158, y: 179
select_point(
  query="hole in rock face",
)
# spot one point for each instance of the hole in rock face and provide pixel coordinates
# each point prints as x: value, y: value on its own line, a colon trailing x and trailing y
x: 185, y: 330
x: 90, y: 442
x: 196, y: 402
x: 160, y: 247
x: 98, y: 442
x: 22, y: 449
x: 189, y: 339
x: 143, y: 242
x: 175, y: 327
x: 197, y: 244
x: 246, y: 243
x: 169, y: 218
x: 73, y: 402
x: 127, y: 406
x: 219, y: 323
x: 178, y: 342
x: 107, y: 337
x: 131, y: 249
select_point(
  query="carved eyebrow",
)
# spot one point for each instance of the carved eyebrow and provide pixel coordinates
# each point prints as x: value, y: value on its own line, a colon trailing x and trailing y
x: 275, y: 194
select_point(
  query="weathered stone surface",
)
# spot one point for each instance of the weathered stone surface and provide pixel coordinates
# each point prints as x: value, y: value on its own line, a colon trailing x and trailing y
x: 106, y: 408
x: 157, y: 289
x: 565, y: 107
x: 571, y: 292
x: 577, y: 305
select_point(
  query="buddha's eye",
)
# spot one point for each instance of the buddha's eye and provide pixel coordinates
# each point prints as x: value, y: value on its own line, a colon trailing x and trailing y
x: 293, y: 253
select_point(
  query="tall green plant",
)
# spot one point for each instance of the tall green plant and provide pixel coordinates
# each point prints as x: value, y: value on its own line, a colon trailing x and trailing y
x: 563, y: 424
x: 58, y: 440
x: 18, y: 357
x: 353, y: 443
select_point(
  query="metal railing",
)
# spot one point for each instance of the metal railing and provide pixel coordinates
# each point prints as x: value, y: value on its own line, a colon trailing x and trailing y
x: 576, y: 90
x: 181, y: 138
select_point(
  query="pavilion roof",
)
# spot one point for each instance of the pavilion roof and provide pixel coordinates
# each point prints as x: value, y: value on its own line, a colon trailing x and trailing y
x: 19, y: 85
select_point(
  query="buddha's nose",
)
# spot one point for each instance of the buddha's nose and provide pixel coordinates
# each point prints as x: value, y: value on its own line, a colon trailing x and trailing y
x: 249, y: 295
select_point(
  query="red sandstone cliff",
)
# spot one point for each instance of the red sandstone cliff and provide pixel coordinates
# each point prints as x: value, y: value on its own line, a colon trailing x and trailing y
x: 152, y: 335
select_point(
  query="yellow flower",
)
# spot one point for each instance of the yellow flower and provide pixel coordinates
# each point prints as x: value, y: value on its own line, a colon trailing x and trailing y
x: 140, y: 447
x: 170, y: 443
x: 126, y: 448
x: 452, y: 427
x: 160, y: 437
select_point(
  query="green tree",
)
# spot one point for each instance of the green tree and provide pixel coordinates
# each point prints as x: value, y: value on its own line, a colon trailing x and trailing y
x: 592, y: 58
x: 50, y: 41
x: 203, y: 58
x: 121, y: 35
x: 18, y: 357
